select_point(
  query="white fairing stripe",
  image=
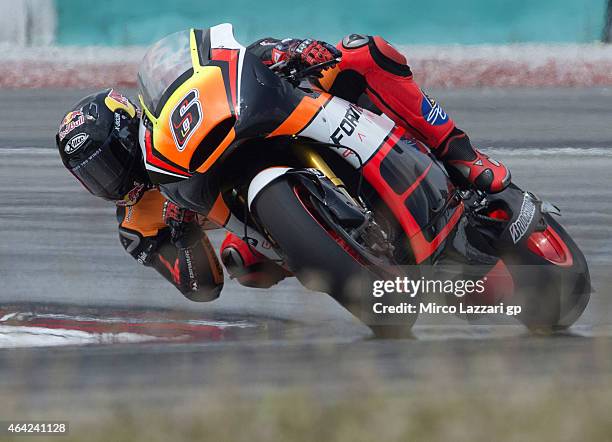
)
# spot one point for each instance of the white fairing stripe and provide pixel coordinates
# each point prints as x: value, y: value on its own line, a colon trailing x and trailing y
x: 341, y: 122
x: 141, y: 142
x: 222, y: 37
x: 239, y: 88
x: 262, y: 179
x: 165, y: 172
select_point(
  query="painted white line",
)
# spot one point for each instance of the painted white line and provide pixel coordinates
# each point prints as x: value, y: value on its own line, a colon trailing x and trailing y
x: 549, y: 152
x: 21, y: 316
x: 18, y: 336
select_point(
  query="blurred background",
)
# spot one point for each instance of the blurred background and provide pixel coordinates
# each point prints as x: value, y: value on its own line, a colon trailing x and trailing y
x: 140, y: 22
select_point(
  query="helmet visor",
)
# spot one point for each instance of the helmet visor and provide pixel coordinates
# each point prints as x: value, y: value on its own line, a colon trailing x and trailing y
x: 109, y: 171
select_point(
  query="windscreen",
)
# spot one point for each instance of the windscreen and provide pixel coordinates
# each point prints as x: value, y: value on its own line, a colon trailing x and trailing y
x: 163, y: 63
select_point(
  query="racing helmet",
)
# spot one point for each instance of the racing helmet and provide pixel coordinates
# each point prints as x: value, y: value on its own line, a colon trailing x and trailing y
x: 98, y: 144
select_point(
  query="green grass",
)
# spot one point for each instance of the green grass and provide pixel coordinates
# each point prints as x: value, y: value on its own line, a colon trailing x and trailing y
x: 530, y: 413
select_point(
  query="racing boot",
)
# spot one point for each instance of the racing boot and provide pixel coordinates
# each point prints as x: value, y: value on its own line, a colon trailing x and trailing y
x: 248, y: 266
x: 468, y: 166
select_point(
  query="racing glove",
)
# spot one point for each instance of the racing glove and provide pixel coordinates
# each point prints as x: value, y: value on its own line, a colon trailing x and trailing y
x: 184, y: 229
x: 305, y: 53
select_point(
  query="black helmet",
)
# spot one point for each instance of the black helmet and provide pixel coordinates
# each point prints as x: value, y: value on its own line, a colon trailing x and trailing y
x: 98, y: 143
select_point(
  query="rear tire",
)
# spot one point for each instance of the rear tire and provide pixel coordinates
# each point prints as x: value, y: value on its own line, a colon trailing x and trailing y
x: 560, y: 293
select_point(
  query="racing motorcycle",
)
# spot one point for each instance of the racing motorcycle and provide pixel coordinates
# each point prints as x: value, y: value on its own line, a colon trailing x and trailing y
x: 331, y: 190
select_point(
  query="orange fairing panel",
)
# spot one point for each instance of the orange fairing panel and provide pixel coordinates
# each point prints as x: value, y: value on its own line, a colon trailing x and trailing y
x: 219, y: 213
x: 191, y: 112
x: 328, y: 78
x: 303, y: 114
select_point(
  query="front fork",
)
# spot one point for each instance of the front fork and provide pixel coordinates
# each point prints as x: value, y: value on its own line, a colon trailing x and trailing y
x: 311, y: 158
x: 369, y: 231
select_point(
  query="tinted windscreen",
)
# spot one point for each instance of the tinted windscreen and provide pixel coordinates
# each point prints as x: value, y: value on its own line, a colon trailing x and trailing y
x: 163, y: 63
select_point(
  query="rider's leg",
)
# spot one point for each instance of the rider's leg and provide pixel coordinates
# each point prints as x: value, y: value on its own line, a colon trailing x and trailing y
x: 248, y: 266
x: 371, y: 65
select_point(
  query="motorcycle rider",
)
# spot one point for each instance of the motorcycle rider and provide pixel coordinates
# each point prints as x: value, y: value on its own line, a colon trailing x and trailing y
x: 98, y: 143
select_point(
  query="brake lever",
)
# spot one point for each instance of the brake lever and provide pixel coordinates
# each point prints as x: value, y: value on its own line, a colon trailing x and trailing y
x: 279, y: 65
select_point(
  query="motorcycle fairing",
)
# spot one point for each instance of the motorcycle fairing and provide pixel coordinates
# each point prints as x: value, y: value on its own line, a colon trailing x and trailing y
x: 343, y: 123
x: 193, y: 120
x: 413, y: 185
x: 522, y: 217
x: 422, y: 201
x: 423, y: 205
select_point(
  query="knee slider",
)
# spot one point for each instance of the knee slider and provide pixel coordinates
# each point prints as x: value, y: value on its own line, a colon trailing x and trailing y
x: 204, y: 293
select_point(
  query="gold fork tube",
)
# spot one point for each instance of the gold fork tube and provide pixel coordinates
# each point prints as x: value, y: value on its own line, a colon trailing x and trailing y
x: 311, y: 158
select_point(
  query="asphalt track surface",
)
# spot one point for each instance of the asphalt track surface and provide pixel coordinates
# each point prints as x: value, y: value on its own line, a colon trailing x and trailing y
x: 60, y: 260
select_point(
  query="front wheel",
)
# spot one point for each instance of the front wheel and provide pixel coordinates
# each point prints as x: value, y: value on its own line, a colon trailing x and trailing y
x: 321, y: 252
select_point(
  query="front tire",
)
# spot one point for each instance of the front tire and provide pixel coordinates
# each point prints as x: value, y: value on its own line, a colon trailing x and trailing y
x: 318, y: 251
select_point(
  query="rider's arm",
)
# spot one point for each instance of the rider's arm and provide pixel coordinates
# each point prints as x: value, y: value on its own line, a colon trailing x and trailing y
x: 191, y: 267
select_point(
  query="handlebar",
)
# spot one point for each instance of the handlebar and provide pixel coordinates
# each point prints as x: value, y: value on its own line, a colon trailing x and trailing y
x: 286, y: 70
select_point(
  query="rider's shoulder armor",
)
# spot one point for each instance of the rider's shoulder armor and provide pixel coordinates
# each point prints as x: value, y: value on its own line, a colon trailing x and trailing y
x: 354, y: 41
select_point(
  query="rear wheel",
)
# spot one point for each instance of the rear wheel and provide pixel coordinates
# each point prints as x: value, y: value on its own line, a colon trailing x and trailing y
x: 321, y: 252
x: 555, y: 288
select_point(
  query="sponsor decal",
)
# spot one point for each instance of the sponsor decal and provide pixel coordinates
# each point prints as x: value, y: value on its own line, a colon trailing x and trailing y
x: 75, y: 143
x: 348, y: 124
x: 114, y: 95
x: 174, y: 270
x: 143, y: 257
x: 132, y: 197
x: 129, y: 214
x: 114, y: 100
x: 190, y: 270
x: 432, y: 112
x: 70, y: 122
x: 276, y: 55
x: 117, y: 121
x: 519, y: 227
x: 185, y: 119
